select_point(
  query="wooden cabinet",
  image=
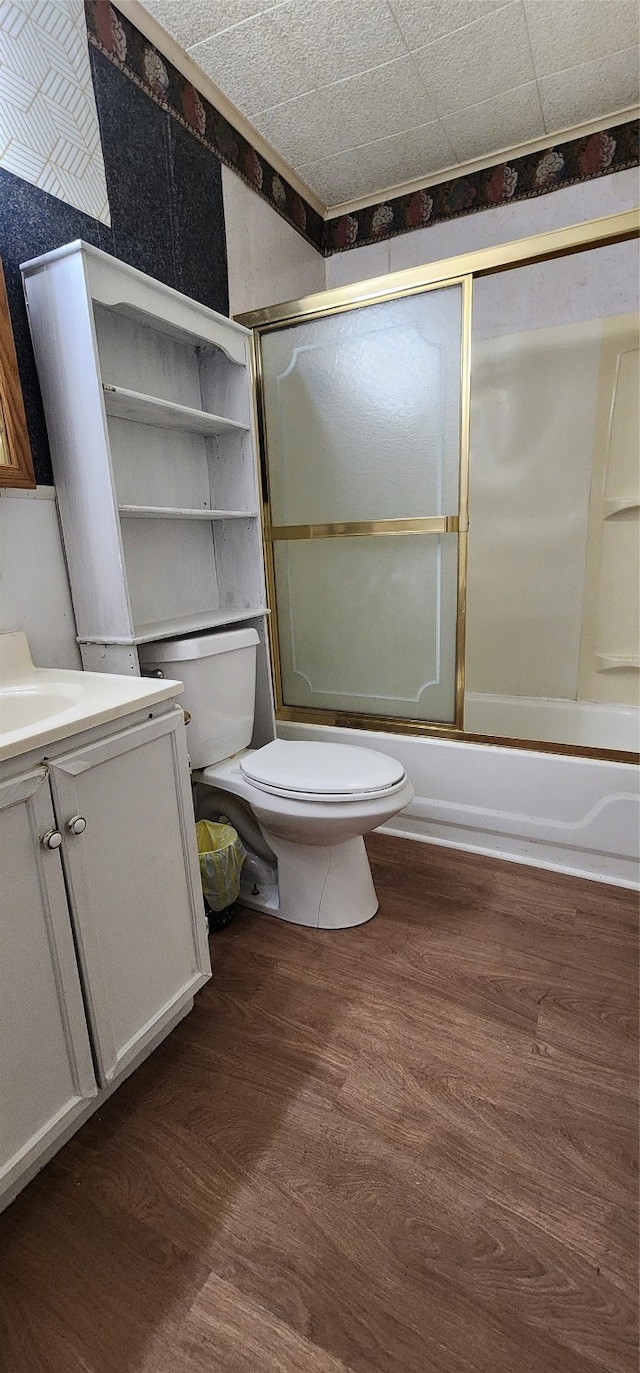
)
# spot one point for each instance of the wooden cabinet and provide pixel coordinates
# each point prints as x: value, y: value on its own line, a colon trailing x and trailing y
x: 92, y: 977
x: 149, y: 405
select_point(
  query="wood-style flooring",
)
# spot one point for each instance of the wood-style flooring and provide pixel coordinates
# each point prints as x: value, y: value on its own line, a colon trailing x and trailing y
x: 406, y: 1148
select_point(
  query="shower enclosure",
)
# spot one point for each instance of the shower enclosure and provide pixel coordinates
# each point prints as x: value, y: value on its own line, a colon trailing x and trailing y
x: 451, y: 504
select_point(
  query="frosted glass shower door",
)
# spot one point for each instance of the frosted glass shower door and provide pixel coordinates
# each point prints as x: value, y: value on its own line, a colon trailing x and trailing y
x: 362, y: 421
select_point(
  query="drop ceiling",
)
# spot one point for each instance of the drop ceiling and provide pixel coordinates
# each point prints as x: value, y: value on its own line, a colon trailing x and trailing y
x: 362, y: 96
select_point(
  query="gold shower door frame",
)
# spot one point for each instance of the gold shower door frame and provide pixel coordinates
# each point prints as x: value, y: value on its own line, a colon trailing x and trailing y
x: 455, y: 523
x: 455, y: 271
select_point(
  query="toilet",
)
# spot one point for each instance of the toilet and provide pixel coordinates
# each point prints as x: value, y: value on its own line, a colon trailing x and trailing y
x: 312, y: 802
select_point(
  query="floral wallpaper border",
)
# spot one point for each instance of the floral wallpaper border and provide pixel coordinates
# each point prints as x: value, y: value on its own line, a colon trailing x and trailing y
x: 521, y: 178
x: 124, y: 45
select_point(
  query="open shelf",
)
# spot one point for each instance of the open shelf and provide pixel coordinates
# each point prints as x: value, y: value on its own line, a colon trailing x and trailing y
x: 618, y: 505
x: 617, y: 662
x: 190, y: 624
x: 161, y: 512
x: 165, y: 414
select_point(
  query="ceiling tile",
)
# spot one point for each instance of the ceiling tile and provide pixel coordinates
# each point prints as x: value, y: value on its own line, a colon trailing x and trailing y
x: 297, y: 128
x: 374, y: 105
x: 194, y: 20
x: 258, y: 63
x: 475, y: 63
x: 579, y: 31
x: 422, y: 23
x: 591, y: 91
x: 341, y: 40
x: 378, y: 165
x: 511, y: 118
x: 333, y: 87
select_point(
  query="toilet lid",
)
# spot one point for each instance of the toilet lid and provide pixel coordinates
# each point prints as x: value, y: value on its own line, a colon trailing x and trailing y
x: 324, y: 772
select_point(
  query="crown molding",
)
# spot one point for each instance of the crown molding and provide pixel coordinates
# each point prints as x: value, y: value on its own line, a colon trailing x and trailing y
x: 459, y: 169
x: 137, y: 15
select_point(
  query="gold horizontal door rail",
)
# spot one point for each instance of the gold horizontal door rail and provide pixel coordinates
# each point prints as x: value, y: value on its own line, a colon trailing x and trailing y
x: 430, y: 524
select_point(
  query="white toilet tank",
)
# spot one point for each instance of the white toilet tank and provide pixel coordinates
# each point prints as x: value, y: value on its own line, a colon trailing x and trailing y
x: 219, y: 675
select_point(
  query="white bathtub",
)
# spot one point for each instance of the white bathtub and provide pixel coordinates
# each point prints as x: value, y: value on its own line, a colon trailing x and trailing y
x: 554, y: 720
x: 574, y: 815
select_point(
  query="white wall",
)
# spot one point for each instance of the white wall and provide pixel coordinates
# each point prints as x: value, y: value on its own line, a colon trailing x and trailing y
x: 268, y: 261
x: 606, y: 195
x: 34, y: 588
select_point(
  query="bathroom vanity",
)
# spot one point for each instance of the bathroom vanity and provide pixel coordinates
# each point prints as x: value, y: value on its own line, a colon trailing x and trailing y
x: 104, y: 939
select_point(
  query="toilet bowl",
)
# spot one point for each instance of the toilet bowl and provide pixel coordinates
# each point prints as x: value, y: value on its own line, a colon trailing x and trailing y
x: 313, y: 802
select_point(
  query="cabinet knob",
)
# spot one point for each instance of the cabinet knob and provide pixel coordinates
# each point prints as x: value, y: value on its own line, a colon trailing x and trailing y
x: 77, y: 824
x: 52, y: 839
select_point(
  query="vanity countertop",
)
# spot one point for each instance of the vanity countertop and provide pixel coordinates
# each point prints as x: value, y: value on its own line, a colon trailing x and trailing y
x: 41, y: 705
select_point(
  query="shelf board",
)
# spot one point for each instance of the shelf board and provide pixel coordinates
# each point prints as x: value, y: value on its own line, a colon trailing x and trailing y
x: 617, y: 662
x: 161, y: 512
x: 619, y: 505
x: 190, y: 624
x: 165, y: 414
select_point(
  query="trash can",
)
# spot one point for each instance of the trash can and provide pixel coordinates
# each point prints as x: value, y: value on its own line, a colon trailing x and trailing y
x: 221, y: 855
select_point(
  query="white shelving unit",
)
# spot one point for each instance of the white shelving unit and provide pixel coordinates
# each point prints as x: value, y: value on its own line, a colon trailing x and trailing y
x: 149, y: 411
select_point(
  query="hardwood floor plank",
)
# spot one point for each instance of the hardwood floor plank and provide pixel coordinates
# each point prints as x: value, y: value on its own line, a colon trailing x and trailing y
x: 90, y: 1283
x: 405, y: 1148
x: 226, y: 1329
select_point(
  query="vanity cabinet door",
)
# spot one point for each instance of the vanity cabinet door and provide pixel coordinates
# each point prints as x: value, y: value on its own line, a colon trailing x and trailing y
x: 46, y: 1068
x: 124, y: 806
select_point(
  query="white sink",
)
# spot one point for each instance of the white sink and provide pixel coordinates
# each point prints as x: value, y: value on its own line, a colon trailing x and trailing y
x: 39, y: 705
x: 29, y: 703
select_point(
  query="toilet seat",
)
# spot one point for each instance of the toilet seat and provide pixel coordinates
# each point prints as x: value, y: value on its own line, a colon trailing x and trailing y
x: 322, y: 772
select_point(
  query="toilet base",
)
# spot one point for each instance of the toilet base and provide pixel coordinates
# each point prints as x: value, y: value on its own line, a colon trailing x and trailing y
x: 326, y: 886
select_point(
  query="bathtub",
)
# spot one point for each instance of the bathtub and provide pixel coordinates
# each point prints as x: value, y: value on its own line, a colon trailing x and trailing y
x: 571, y: 814
x: 595, y: 724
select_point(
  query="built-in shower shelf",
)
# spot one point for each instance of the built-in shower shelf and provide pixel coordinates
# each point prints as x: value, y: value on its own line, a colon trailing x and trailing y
x: 161, y: 512
x: 619, y: 505
x: 613, y: 662
x: 165, y: 414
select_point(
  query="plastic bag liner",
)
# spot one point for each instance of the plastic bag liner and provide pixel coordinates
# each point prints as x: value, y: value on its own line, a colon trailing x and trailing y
x: 221, y: 855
